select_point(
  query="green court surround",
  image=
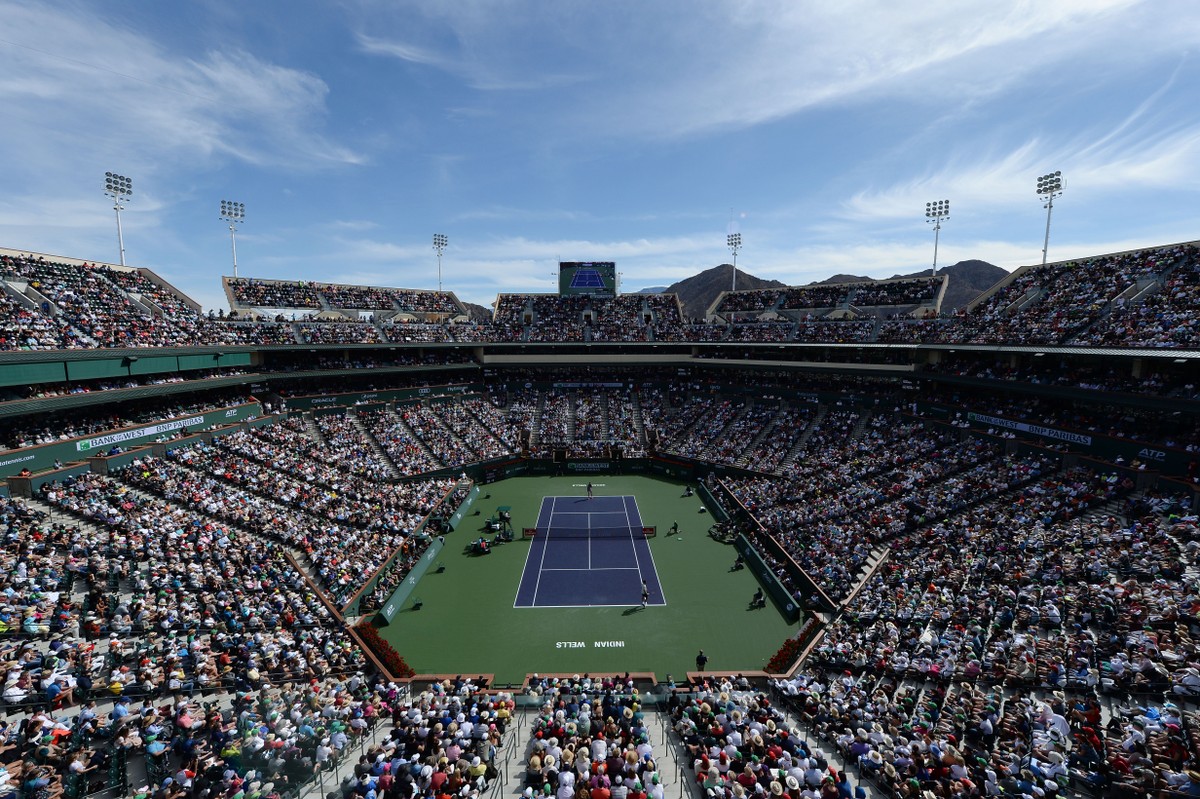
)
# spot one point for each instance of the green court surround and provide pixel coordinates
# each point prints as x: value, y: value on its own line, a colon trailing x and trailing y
x: 467, y: 623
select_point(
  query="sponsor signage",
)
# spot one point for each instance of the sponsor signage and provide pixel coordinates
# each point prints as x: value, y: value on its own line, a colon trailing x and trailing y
x: 588, y: 466
x: 1081, y: 439
x: 40, y: 458
x: 100, y: 442
x: 404, y: 590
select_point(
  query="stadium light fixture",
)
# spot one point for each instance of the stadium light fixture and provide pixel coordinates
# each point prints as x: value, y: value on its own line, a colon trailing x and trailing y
x: 439, y: 246
x: 235, y: 214
x: 120, y: 189
x: 734, y: 240
x: 935, y: 213
x: 1048, y: 187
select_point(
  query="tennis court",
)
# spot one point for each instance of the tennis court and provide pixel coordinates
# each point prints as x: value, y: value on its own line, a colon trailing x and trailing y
x: 588, y: 552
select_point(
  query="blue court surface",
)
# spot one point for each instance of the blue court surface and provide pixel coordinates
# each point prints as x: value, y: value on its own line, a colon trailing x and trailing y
x: 587, y: 279
x: 588, y: 553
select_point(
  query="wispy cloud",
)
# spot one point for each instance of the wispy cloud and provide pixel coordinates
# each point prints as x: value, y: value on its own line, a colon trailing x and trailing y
x: 504, y: 213
x: 159, y: 109
x: 484, y: 74
x: 353, y: 224
x: 1162, y: 152
x: 676, y: 69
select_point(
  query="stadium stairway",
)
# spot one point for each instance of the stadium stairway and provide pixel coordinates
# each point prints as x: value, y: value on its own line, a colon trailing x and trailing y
x: 874, y: 561
x: 802, y: 441
x: 639, y: 423
x: 830, y: 753
x: 396, y: 419
x: 678, y: 778
x: 861, y: 425
x: 373, y: 443
x: 314, y: 430
x: 535, y: 423
x: 743, y: 461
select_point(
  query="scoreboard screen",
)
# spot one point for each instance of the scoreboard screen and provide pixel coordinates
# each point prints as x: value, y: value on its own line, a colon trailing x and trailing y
x: 587, y: 277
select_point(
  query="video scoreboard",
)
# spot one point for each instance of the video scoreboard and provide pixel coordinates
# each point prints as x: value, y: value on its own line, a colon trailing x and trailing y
x: 587, y: 277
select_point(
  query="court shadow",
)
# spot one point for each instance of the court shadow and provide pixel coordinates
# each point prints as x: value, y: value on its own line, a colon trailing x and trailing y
x: 633, y: 610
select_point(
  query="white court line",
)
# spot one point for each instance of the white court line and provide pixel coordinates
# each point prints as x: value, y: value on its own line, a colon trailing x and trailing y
x: 528, y: 555
x: 632, y: 543
x: 618, y: 605
x: 598, y: 569
x: 649, y: 551
x: 545, y: 546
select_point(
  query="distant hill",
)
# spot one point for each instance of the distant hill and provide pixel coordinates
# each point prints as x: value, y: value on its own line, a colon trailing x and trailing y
x: 968, y: 279
x: 698, y: 291
x: 478, y: 312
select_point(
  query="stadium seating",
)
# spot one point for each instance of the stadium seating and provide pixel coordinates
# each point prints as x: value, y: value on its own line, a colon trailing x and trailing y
x: 994, y: 609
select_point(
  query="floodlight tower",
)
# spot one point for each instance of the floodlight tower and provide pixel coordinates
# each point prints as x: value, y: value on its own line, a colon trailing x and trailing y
x: 235, y: 214
x: 935, y: 213
x: 120, y: 189
x: 439, y: 246
x: 1048, y: 187
x: 734, y: 240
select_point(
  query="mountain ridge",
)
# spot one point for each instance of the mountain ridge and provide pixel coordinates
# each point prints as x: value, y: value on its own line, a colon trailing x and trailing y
x: 968, y: 279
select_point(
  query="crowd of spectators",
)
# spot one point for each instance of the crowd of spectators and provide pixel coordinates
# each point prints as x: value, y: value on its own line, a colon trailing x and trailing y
x: 769, y: 451
x: 345, y: 541
x: 351, y: 331
x: 25, y: 329
x: 1166, y: 318
x: 911, y: 291
x: 761, y: 331
x: 348, y: 446
x: 283, y: 294
x: 483, y: 440
x: 1144, y: 298
x: 754, y: 300
x: 403, y: 446
x: 666, y: 316
x: 699, y: 424
x: 438, y: 434
x: 590, y: 737
x: 201, y: 651
x: 273, y: 293
x: 556, y: 425
x: 705, y: 331
x: 23, y: 432
x: 621, y: 422
x: 739, y: 744
x: 405, y: 332
x: 1007, y: 591
x: 442, y: 743
x: 987, y: 657
x: 805, y: 297
x: 1159, y: 427
x: 847, y: 331
x: 1162, y: 382
x: 1054, y: 303
x: 556, y: 318
x: 841, y: 502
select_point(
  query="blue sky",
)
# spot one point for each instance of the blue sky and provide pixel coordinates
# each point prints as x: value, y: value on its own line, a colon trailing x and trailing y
x: 638, y: 132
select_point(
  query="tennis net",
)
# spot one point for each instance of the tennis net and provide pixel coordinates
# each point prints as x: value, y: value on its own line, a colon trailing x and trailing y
x: 589, y: 532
